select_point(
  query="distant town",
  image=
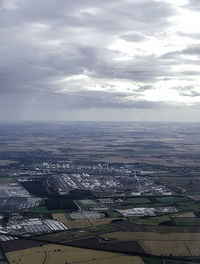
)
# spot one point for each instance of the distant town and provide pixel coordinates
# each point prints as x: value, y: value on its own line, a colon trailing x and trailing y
x: 104, y: 187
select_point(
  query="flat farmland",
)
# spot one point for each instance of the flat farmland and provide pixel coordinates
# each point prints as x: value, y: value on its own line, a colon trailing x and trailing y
x: 51, y: 254
x: 60, y: 217
x: 149, y: 143
x: 173, y: 200
x: 61, y: 237
x: 184, y: 214
x: 131, y: 226
x: 69, y: 235
x: 140, y: 200
x: 168, y: 261
x: 20, y: 244
x: 79, y: 223
x: 187, y: 221
x: 152, y: 236
x: 94, y: 242
x: 102, y: 221
x: 194, y: 247
x: 82, y: 223
x: 165, y: 248
x: 151, y: 220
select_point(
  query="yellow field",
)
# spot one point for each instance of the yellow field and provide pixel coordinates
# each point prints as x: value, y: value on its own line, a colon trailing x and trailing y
x: 51, y: 254
x: 152, y: 236
x: 59, y: 217
x: 185, y: 214
x: 81, y: 223
x: 165, y: 248
x: 194, y: 247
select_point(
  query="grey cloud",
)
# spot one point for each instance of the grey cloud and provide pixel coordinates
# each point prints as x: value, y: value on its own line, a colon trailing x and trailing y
x: 193, y: 4
x: 140, y: 69
x: 148, y: 11
x: 41, y: 68
x: 190, y: 73
x: 144, y: 88
x: 43, y: 42
x: 133, y: 37
x: 192, y: 50
x: 113, y: 15
x: 189, y: 35
x: 183, y: 88
x: 84, y: 105
x: 195, y: 50
x: 99, y: 99
x: 29, y: 62
x: 190, y: 94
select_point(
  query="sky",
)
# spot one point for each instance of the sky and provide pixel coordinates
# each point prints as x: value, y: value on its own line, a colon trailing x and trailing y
x: 116, y: 60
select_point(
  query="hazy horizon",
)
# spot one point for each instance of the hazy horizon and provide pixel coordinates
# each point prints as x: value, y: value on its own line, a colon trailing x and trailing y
x: 60, y: 122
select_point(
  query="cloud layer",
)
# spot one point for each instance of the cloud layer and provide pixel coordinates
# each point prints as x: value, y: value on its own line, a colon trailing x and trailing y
x: 60, y: 57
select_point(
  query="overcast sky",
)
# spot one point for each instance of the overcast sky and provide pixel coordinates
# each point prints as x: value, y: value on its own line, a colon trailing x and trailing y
x: 100, y: 60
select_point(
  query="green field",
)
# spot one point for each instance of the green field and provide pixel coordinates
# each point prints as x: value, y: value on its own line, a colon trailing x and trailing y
x: 152, y: 220
x: 142, y: 200
x: 112, y: 214
x: 187, y: 221
x: 39, y: 210
x: 148, y: 194
x: 149, y: 260
x: 183, y: 203
x: 85, y: 205
x: 44, y: 210
x: 172, y: 199
x: 191, y: 205
x: 58, y: 211
x: 102, y: 229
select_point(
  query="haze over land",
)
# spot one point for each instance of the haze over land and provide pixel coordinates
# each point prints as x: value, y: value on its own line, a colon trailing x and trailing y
x: 100, y: 60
